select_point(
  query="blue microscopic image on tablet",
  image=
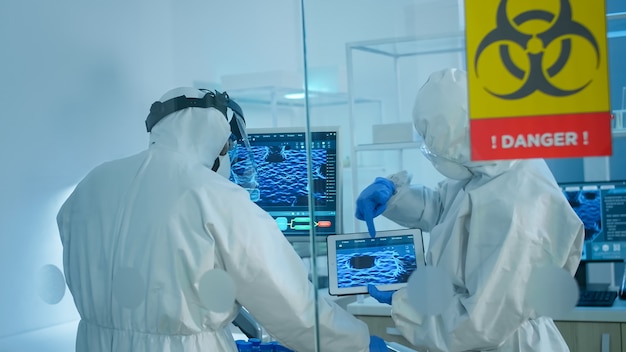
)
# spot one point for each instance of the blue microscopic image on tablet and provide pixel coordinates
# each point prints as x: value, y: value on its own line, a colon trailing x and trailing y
x: 375, y: 261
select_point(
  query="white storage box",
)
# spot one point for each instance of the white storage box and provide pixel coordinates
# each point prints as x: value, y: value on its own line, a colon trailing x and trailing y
x: 393, y: 133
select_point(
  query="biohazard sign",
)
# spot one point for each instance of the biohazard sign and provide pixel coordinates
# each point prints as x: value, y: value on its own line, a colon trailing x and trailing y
x: 537, y: 78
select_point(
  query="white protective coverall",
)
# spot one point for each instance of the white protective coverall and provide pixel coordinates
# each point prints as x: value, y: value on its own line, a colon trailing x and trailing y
x: 488, y: 229
x: 163, y: 218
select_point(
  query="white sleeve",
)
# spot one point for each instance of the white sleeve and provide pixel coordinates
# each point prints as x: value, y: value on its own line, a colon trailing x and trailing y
x: 272, y: 283
x: 492, y: 268
x: 413, y: 206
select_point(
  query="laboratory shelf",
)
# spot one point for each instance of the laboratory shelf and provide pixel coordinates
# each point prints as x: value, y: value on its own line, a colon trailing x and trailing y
x: 399, y: 57
x: 387, y: 146
x: 283, y: 96
x: 619, y: 133
x: 411, y: 46
x: 616, y: 24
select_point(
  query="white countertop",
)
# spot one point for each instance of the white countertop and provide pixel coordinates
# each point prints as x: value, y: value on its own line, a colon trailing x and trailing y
x: 367, y: 305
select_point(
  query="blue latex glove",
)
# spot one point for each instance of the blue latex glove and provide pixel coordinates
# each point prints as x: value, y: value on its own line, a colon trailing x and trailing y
x: 377, y: 344
x: 380, y: 296
x: 373, y: 201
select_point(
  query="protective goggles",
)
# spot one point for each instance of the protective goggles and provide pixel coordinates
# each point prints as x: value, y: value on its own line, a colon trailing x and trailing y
x: 217, y: 100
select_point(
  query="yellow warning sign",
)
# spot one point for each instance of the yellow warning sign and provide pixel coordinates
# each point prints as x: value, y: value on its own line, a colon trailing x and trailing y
x: 537, y: 78
x: 536, y: 57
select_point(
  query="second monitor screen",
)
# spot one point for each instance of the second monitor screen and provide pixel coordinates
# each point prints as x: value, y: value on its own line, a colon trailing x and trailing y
x: 281, y: 162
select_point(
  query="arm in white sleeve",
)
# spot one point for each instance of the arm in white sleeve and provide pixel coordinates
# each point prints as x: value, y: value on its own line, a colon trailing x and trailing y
x: 488, y: 309
x: 494, y: 242
x: 413, y: 206
x: 272, y: 283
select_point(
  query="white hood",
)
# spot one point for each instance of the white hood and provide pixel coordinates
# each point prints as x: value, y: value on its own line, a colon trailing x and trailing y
x: 440, y: 117
x: 198, y: 133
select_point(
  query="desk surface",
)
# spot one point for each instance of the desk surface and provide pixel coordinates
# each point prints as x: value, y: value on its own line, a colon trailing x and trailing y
x: 366, y: 305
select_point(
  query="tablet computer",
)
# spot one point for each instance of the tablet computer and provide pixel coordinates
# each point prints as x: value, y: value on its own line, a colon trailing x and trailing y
x: 356, y: 260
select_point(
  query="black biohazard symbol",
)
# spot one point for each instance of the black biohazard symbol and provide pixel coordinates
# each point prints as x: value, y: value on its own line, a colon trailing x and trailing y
x: 536, y: 78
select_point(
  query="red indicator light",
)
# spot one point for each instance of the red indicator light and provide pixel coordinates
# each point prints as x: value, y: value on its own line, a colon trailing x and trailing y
x: 324, y: 223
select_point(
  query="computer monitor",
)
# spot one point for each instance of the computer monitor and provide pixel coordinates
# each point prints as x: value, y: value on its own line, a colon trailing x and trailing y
x: 602, y: 208
x: 281, y: 160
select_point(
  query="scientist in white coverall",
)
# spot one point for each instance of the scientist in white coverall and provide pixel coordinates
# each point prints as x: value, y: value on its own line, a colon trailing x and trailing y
x: 141, y: 234
x: 490, y: 224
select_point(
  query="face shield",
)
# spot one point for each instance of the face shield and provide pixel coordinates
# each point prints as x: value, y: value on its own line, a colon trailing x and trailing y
x: 243, y: 168
x: 446, y: 167
x: 440, y: 118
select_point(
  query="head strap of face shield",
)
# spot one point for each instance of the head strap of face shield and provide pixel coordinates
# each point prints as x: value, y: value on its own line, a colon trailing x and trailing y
x: 217, y: 100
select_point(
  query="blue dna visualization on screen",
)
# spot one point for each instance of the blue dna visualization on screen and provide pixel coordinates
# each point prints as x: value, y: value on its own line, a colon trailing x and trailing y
x: 602, y: 208
x: 379, y: 261
x: 280, y: 156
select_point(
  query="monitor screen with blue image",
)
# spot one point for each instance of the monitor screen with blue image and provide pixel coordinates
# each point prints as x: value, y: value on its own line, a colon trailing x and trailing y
x: 280, y: 155
x: 601, y: 206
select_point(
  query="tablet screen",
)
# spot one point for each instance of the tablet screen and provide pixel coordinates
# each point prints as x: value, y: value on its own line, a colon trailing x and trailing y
x: 387, y: 261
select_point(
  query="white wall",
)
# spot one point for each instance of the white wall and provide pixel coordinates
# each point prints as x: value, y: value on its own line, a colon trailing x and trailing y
x: 77, y: 79
x: 72, y: 97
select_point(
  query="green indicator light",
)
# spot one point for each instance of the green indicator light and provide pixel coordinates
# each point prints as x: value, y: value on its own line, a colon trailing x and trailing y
x: 307, y: 220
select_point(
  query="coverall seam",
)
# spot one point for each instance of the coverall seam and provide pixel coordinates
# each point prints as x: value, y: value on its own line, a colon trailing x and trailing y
x: 90, y: 322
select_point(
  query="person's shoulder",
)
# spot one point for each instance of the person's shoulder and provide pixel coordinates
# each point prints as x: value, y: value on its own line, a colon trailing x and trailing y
x: 525, y: 171
x: 535, y: 173
x: 114, y: 166
x: 209, y: 182
x: 525, y: 178
x: 530, y: 179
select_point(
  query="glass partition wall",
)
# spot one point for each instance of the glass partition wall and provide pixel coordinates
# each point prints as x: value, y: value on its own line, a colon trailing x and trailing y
x: 376, y: 56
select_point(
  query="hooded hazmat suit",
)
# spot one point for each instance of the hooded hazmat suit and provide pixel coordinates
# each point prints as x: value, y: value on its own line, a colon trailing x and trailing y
x: 490, y: 224
x: 139, y: 235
